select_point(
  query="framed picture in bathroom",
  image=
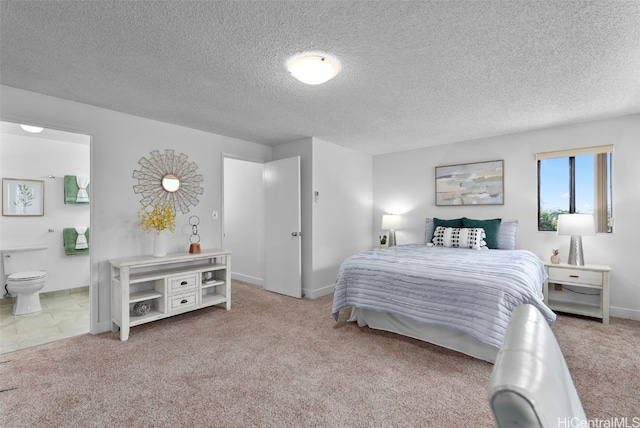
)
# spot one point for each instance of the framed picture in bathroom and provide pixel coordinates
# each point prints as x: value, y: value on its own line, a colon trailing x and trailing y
x: 22, y: 197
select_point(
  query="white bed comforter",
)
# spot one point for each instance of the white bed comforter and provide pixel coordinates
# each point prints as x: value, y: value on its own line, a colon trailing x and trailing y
x: 469, y: 290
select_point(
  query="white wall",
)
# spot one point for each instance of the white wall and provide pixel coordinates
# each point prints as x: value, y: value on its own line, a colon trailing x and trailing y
x: 118, y: 142
x: 244, y: 228
x: 342, y: 214
x: 404, y: 183
x: 29, y: 157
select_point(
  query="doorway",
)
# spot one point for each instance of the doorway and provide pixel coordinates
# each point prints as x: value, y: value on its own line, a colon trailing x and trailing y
x: 262, y: 222
x: 65, y: 297
x: 243, y: 228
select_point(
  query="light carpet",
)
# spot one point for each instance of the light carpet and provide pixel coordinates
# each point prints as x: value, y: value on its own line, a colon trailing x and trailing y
x: 278, y: 361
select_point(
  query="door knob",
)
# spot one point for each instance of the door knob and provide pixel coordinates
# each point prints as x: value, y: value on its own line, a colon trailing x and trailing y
x: 296, y: 233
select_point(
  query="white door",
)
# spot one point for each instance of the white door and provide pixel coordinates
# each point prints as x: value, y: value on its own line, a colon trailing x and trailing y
x: 283, y: 262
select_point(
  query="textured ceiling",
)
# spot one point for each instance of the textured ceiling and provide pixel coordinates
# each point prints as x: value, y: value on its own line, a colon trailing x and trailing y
x: 414, y: 74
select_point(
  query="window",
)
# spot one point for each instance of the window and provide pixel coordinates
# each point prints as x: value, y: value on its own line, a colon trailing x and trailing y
x: 575, y: 181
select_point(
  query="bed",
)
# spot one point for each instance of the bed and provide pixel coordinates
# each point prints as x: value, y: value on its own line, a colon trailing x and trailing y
x: 458, y: 298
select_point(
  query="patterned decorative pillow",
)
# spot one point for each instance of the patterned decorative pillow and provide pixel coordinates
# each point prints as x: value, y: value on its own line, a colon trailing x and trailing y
x: 431, y: 224
x: 491, y: 228
x: 459, y: 237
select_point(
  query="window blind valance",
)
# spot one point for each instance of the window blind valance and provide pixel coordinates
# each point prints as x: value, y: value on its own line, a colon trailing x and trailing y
x: 575, y: 152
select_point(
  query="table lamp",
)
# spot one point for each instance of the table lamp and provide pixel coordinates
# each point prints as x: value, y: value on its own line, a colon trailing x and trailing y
x: 577, y: 226
x: 392, y: 223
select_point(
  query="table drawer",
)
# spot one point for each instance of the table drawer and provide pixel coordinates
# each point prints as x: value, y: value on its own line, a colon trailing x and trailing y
x: 182, y: 283
x: 177, y: 303
x: 575, y: 275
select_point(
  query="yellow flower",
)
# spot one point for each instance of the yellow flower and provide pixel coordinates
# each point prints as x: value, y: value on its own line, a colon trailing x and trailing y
x: 161, y: 217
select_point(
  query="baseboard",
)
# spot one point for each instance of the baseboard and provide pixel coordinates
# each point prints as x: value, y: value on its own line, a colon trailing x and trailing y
x: 247, y: 278
x: 49, y: 294
x: 614, y: 311
x: 65, y: 292
x: 314, y: 294
x: 632, y: 314
x: 102, y: 327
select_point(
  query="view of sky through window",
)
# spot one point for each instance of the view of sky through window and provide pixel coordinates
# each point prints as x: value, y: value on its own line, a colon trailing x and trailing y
x: 554, y: 184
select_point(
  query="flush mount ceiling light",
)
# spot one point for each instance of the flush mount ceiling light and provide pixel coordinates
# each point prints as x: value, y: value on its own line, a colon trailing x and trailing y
x: 313, y: 69
x: 32, y: 129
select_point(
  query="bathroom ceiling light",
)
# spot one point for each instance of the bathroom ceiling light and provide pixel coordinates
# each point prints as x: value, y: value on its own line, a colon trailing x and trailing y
x: 313, y: 69
x: 32, y: 129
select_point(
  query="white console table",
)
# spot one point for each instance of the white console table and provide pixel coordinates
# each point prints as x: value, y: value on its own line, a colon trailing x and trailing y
x: 169, y: 285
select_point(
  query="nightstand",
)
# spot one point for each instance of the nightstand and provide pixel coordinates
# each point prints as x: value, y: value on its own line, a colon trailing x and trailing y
x: 588, y: 277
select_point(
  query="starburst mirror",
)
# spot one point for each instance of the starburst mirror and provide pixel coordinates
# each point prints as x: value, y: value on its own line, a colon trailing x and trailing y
x: 168, y: 178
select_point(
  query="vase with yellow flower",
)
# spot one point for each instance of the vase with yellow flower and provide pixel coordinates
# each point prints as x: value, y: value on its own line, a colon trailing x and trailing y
x: 162, y: 219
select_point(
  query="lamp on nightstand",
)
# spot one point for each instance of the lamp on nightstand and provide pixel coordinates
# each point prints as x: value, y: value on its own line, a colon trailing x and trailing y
x: 577, y: 226
x: 393, y: 223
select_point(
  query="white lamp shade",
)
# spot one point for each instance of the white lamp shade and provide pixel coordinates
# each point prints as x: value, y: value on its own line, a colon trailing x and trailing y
x: 576, y: 225
x: 313, y: 69
x: 391, y: 222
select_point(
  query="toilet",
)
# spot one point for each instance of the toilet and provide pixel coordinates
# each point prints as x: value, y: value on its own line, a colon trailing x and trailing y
x: 25, y: 268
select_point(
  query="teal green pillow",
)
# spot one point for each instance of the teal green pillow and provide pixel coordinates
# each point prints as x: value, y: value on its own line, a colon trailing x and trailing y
x: 491, y: 228
x: 454, y: 222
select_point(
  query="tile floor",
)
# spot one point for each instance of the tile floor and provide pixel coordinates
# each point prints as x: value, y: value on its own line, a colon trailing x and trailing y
x: 61, y: 317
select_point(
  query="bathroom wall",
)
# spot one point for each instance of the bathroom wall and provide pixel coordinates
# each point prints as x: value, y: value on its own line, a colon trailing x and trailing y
x: 36, y: 157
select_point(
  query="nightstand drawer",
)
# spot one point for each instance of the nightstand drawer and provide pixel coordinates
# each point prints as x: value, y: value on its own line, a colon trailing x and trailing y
x: 580, y: 276
x: 182, y: 283
x: 183, y: 301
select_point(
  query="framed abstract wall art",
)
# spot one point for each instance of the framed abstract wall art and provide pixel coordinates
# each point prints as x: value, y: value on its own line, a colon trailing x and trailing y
x: 22, y: 197
x: 479, y: 183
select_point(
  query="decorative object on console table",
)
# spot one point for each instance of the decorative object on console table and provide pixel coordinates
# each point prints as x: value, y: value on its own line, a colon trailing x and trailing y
x: 577, y: 226
x: 160, y: 244
x: 392, y: 223
x: 161, y: 218
x: 141, y: 308
x: 588, y: 277
x: 555, y: 257
x: 194, y: 239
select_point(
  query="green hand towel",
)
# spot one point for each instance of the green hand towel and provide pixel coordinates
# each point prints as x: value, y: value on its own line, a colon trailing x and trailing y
x: 69, y: 236
x: 71, y: 190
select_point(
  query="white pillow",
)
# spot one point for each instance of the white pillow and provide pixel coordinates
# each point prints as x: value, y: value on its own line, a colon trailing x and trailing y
x: 507, y: 235
x: 428, y: 230
x: 459, y: 237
